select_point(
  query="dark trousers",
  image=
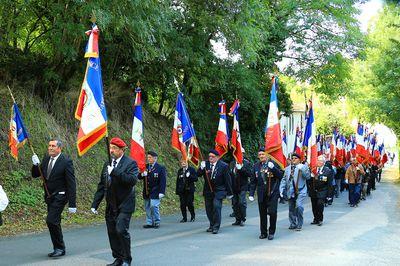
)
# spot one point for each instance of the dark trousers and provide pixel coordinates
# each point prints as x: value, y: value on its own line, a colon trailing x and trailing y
x: 239, y: 205
x: 55, y: 207
x: 186, y: 201
x: 213, y: 210
x: 268, y: 207
x: 118, y: 234
x: 317, y: 205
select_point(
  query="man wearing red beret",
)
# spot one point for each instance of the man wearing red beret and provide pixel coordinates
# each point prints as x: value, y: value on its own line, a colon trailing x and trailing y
x: 117, y: 183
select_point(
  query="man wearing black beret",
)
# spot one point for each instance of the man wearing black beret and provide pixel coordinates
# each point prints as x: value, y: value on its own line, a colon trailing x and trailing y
x: 155, y: 181
x: 217, y: 186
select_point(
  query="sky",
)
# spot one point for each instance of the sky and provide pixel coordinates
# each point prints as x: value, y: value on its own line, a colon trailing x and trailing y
x: 368, y: 10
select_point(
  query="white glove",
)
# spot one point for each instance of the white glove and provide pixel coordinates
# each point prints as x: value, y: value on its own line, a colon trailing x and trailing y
x: 229, y: 197
x: 328, y: 199
x: 187, y: 174
x: 281, y: 194
x: 270, y: 165
x: 144, y: 173
x: 72, y: 210
x: 109, y: 169
x: 202, y: 165
x: 299, y: 166
x: 239, y: 166
x: 35, y: 159
x: 346, y: 181
x: 251, y: 198
x: 160, y: 195
x: 94, y: 211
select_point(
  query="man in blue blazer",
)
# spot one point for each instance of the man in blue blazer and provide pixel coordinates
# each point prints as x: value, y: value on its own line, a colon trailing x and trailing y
x: 154, y: 184
x: 217, y: 186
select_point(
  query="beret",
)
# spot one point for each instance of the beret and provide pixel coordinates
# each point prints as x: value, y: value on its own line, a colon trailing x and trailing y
x: 118, y: 142
x: 152, y: 153
x: 213, y: 151
x: 296, y: 155
x: 261, y: 149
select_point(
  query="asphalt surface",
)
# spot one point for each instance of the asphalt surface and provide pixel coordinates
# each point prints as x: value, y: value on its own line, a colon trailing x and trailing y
x: 366, y: 235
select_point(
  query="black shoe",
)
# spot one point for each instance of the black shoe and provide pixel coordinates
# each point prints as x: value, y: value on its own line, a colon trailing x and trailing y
x: 215, y: 231
x: 262, y: 236
x: 232, y: 214
x: 56, y: 253
x: 236, y: 223
x: 270, y: 237
x: 116, y: 262
x: 148, y: 226
x: 156, y: 226
x: 314, y: 222
x: 183, y: 220
x: 320, y: 223
x: 241, y: 223
x: 192, y: 219
x: 292, y: 227
x: 209, y: 230
x: 298, y: 229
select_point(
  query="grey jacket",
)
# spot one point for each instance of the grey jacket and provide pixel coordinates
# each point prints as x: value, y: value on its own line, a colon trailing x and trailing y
x: 287, y: 186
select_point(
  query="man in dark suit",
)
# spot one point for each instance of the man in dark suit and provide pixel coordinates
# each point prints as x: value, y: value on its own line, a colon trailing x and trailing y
x: 155, y: 182
x: 320, y: 188
x: 117, y: 183
x: 266, y: 178
x: 240, y: 183
x: 217, y: 186
x: 58, y: 172
x: 185, y: 189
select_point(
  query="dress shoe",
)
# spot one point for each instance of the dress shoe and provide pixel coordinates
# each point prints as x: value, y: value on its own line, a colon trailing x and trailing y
x: 241, y: 223
x: 320, y: 223
x: 292, y: 227
x: 298, y: 229
x: 192, y: 219
x: 270, y: 237
x: 183, y: 220
x: 56, y: 253
x: 148, y: 226
x: 262, y: 236
x: 215, y: 231
x: 314, y: 222
x: 209, y: 230
x: 125, y: 263
x: 117, y: 262
x: 236, y: 223
x: 156, y: 226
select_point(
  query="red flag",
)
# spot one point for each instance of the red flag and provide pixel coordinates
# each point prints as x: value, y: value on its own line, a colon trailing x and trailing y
x: 222, y: 138
x: 236, y: 142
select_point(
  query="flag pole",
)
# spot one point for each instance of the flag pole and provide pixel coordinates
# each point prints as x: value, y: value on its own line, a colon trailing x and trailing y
x: 33, y: 151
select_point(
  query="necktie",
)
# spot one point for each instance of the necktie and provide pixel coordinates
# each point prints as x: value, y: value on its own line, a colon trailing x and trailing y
x: 114, y: 163
x: 50, y: 167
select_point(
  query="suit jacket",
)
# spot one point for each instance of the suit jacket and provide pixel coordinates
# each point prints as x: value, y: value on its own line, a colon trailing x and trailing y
x: 61, y: 178
x: 289, y: 183
x: 220, y: 180
x: 156, y: 181
x: 120, y: 192
x: 320, y: 184
x: 240, y: 178
x: 266, y: 181
x: 185, y: 180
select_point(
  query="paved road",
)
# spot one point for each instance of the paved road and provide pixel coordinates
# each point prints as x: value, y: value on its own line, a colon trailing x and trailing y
x: 367, y: 235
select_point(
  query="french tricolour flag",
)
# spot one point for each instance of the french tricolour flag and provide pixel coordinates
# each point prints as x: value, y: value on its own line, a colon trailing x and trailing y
x: 297, y: 144
x: 222, y: 138
x: 236, y: 142
x: 361, y: 148
x: 137, y: 152
x: 273, y: 137
x: 309, y: 141
x: 91, y: 110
